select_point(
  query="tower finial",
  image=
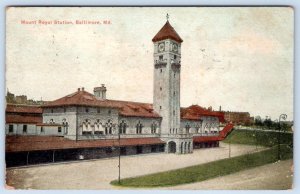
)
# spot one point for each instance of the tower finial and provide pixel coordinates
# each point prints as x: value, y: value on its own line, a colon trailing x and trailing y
x: 167, y: 16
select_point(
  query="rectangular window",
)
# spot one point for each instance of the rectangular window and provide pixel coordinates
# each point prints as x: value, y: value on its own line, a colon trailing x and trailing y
x: 10, y: 128
x: 86, y: 109
x: 109, y: 112
x: 98, y: 110
x: 65, y: 110
x: 24, y: 128
x: 175, y: 56
x: 59, y: 129
x: 161, y: 57
x: 160, y: 107
x: 42, y: 130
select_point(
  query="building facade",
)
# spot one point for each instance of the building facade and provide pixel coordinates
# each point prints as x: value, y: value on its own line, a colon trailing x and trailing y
x: 139, y: 127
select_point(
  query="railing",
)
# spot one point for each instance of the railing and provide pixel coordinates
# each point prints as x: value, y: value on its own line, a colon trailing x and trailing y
x: 176, y: 135
x: 113, y: 136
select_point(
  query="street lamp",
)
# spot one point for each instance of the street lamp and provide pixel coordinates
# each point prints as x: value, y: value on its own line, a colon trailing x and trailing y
x: 229, y: 149
x: 282, y: 116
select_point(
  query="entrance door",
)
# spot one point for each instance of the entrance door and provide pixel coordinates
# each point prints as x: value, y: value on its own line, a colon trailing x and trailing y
x: 172, y: 147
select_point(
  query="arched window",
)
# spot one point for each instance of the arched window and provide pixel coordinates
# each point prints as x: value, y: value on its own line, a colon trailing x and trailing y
x: 65, y: 125
x: 153, y: 127
x: 122, y: 127
x: 98, y: 127
x: 86, y: 127
x: 108, y: 127
x: 139, y: 127
x: 187, y: 127
x: 197, y: 127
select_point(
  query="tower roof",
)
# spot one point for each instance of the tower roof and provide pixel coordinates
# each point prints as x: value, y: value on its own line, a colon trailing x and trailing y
x: 167, y: 31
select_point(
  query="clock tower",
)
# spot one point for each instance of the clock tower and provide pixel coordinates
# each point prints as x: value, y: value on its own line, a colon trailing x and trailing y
x: 167, y: 63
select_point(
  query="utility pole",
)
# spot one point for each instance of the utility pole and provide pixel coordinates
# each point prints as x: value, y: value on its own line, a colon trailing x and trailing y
x: 119, y: 178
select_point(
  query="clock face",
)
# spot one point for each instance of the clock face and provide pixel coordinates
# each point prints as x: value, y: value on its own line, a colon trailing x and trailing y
x: 161, y: 47
x: 175, y: 47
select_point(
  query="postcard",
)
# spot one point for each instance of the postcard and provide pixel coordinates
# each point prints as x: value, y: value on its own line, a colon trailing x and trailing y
x: 165, y: 98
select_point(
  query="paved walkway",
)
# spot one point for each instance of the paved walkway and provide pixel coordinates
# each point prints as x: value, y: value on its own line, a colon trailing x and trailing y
x: 98, y: 173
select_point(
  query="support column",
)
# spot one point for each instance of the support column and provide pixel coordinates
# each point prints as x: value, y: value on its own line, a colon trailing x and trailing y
x: 27, y: 158
x: 53, y: 156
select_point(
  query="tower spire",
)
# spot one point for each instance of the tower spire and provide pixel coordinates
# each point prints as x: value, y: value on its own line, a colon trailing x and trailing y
x: 167, y: 16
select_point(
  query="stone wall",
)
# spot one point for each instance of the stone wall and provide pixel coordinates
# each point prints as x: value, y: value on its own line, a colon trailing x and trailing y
x: 20, y: 129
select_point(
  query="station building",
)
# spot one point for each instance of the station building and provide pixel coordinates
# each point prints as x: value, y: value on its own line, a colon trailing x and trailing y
x: 87, y: 125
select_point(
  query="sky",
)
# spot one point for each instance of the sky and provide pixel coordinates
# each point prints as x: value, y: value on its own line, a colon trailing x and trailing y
x: 239, y: 58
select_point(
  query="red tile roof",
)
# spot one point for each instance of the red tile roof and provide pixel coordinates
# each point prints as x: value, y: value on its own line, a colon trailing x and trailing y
x: 194, y: 112
x: 16, y: 108
x: 83, y: 98
x: 29, y: 114
x: 222, y: 135
x: 23, y: 119
x: 34, y: 143
x: 135, y: 109
x: 167, y: 31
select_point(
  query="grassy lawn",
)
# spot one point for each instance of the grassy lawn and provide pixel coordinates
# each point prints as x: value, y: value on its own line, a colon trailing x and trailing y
x: 262, y: 138
x: 207, y: 171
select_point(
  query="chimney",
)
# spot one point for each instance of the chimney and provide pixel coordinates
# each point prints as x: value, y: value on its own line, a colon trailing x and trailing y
x: 82, y: 89
x: 78, y: 89
x: 220, y: 109
x: 100, y: 92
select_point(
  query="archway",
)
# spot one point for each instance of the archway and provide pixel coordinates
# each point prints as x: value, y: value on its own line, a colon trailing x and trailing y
x: 172, y: 147
x: 181, y: 148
